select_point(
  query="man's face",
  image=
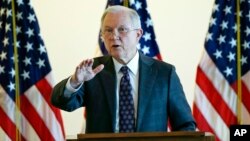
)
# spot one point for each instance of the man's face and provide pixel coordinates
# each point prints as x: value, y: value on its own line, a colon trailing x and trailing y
x: 119, y: 36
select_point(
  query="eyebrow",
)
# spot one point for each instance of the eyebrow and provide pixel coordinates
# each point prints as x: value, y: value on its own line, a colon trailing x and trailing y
x: 116, y: 27
x: 107, y: 27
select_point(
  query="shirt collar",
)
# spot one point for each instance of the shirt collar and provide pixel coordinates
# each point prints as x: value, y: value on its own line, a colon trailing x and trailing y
x: 132, y: 65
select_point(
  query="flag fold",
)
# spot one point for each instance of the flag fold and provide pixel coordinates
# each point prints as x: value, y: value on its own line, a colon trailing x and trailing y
x: 25, y: 78
x: 222, y: 91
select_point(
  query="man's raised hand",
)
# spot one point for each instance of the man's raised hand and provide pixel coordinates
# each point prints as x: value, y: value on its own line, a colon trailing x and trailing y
x: 85, y: 72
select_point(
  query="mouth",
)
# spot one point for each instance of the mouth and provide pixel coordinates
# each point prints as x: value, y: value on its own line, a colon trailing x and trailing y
x: 116, y: 46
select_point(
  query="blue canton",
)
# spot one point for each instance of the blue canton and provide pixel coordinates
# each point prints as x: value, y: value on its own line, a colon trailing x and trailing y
x: 221, y: 39
x: 33, y: 63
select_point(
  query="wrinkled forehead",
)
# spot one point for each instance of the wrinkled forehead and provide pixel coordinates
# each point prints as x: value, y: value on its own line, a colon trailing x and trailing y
x: 117, y: 19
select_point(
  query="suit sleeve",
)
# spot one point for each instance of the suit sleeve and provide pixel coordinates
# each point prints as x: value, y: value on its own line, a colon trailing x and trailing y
x: 181, y: 117
x: 67, y: 103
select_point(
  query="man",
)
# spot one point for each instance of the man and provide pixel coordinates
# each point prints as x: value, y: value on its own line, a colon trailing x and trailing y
x: 151, y: 89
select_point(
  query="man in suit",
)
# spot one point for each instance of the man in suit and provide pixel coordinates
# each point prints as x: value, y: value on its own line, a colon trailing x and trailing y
x: 154, y: 88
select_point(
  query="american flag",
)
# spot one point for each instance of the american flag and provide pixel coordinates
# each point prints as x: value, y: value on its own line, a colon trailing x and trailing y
x: 222, y: 93
x: 147, y: 44
x: 25, y: 78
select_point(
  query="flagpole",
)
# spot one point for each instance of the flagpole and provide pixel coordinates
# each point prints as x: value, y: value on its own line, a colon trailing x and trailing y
x: 125, y: 3
x: 17, y: 92
x: 239, y: 90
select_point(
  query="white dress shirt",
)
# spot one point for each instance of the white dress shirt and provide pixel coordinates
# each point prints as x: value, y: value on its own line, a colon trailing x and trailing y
x: 133, y: 66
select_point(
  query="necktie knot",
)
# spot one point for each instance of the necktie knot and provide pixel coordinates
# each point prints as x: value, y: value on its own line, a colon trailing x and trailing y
x: 124, y: 70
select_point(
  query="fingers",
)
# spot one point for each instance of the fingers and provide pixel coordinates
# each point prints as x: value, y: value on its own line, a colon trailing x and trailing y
x: 86, y: 63
x: 89, y: 62
x: 98, y: 69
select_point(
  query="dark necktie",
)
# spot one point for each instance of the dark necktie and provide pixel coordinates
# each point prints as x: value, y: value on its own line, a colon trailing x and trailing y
x: 126, y: 103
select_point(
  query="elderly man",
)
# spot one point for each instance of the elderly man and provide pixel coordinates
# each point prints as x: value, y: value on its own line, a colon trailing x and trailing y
x: 125, y: 91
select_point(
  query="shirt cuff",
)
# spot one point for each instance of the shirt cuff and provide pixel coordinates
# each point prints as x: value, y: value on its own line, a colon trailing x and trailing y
x: 69, y: 89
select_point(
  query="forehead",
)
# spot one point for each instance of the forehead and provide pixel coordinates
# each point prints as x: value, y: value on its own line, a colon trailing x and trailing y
x: 116, y: 19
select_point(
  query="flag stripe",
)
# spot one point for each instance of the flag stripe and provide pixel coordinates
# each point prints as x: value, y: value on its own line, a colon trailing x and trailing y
x: 45, y: 90
x: 221, y: 85
x: 50, y: 83
x: 245, y: 93
x: 44, y: 111
x: 217, y: 74
x: 31, y: 114
x: 246, y: 101
x: 8, y: 126
x: 246, y: 89
x: 38, y: 120
x: 203, y: 123
x: 246, y: 80
x: 4, y: 136
x: 215, y: 98
x: 8, y: 106
x: 245, y: 115
x: 211, y: 116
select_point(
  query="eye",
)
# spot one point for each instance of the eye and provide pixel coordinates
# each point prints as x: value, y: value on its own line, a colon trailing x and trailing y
x: 109, y: 30
x: 122, y: 30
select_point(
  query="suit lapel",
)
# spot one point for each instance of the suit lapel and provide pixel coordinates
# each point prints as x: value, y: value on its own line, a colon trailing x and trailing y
x: 147, y: 75
x: 108, y: 80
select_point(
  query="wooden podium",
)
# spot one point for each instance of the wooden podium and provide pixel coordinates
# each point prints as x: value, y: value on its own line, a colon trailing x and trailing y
x: 147, y: 136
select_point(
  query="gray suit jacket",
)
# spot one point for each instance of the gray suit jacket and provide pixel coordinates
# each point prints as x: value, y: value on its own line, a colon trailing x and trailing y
x: 160, y: 98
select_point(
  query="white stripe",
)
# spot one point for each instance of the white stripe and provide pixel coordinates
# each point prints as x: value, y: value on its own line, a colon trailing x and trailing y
x: 245, y: 112
x: 28, y: 132
x: 7, y: 104
x: 50, y: 79
x: 212, y: 117
x: 3, y: 135
x: 246, y: 80
x: 45, y: 112
x: 223, y: 87
x: 218, y: 81
x: 8, y: 107
x: 245, y: 115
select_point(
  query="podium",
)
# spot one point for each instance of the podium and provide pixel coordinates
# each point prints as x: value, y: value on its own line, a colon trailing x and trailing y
x: 146, y: 136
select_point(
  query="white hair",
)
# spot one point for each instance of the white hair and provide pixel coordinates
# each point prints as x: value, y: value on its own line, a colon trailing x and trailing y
x: 135, y: 18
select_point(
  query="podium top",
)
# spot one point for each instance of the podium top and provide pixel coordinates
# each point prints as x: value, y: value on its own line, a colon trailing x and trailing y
x: 144, y: 136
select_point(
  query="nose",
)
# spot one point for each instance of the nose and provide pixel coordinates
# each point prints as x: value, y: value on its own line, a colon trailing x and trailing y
x: 115, y: 34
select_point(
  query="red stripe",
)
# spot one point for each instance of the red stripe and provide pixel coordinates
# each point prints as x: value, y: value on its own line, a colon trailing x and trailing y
x: 215, y: 98
x: 202, y: 124
x: 159, y: 56
x: 8, y: 126
x: 245, y: 94
x: 45, y: 89
x: 35, y: 120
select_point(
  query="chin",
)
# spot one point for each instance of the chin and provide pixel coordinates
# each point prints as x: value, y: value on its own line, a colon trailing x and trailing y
x: 116, y: 53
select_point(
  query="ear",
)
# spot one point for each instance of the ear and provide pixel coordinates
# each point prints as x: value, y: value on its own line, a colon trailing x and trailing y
x: 102, y: 39
x: 139, y: 33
